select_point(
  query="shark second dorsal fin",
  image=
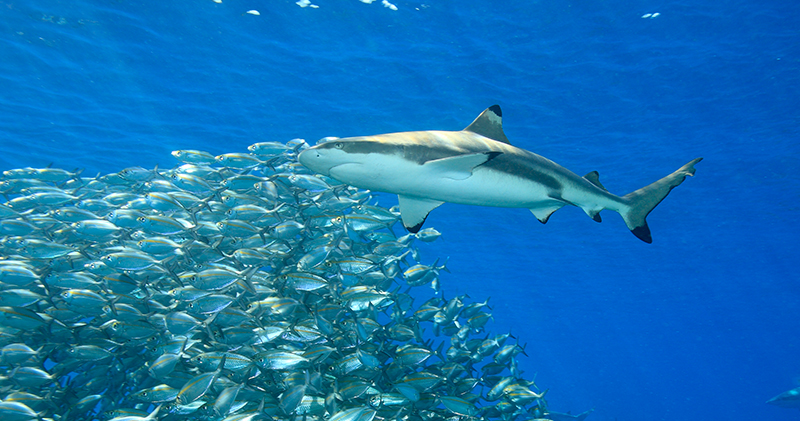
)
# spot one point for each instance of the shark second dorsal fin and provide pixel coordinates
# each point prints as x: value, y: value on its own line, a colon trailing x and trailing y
x: 594, y: 178
x: 489, y: 124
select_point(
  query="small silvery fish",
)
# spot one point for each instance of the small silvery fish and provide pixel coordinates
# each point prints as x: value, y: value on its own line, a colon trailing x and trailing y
x: 234, y: 289
x: 194, y: 157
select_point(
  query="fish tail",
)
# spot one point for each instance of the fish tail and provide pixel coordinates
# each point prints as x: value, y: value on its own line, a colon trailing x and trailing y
x: 641, y: 202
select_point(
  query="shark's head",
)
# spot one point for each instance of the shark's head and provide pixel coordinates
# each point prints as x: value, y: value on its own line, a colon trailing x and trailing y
x: 351, y: 152
x: 328, y: 153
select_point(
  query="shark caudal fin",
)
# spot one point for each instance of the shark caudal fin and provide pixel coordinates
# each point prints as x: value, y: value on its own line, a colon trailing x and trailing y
x: 643, y: 201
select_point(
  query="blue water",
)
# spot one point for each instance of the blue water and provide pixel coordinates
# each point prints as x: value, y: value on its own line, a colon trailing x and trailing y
x: 702, y: 324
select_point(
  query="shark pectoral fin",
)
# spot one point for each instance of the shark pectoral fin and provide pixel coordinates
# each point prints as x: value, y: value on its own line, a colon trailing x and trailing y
x: 543, y: 214
x: 414, y: 210
x: 459, y: 167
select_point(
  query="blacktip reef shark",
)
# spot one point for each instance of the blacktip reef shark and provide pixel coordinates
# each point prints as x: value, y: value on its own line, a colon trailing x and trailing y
x: 477, y: 166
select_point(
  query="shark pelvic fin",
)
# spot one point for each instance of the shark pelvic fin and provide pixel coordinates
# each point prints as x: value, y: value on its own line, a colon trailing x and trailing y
x: 414, y: 211
x: 489, y: 124
x: 459, y: 167
x: 543, y: 214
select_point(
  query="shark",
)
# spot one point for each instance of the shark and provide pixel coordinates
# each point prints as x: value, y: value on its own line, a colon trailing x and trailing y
x: 477, y: 166
x: 788, y: 399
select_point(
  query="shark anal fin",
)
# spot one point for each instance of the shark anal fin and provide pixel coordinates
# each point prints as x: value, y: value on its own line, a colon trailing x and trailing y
x: 489, y: 124
x: 594, y: 178
x: 414, y: 211
x: 459, y: 167
x: 593, y: 213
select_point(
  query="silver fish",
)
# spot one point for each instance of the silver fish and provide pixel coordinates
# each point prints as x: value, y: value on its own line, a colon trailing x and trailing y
x: 244, y: 288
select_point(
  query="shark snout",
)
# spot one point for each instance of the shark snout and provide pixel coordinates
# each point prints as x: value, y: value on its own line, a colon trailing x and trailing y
x: 308, y: 156
x: 313, y: 160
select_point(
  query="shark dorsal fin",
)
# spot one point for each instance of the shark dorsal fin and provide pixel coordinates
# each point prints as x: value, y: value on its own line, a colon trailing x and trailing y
x: 489, y: 124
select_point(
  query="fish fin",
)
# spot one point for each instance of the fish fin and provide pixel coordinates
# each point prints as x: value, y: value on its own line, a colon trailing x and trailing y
x: 543, y: 213
x: 582, y: 416
x: 489, y: 124
x: 459, y: 167
x: 443, y: 266
x: 153, y: 415
x: 414, y: 211
x: 594, y: 178
x: 641, y: 202
x: 594, y: 214
x: 246, y: 281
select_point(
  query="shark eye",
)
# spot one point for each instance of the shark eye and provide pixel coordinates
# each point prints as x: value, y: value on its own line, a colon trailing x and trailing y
x: 338, y: 145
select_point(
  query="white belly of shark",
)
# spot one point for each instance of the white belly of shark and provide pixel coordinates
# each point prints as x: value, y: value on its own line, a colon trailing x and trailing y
x: 477, y: 166
x: 483, y: 188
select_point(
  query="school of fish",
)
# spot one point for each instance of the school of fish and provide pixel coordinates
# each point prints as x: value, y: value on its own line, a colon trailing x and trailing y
x: 234, y: 287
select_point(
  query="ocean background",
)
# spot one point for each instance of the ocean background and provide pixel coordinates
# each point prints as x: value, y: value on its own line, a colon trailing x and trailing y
x: 702, y: 324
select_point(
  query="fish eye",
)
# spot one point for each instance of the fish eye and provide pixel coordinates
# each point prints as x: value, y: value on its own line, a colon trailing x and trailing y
x: 338, y: 145
x: 141, y: 219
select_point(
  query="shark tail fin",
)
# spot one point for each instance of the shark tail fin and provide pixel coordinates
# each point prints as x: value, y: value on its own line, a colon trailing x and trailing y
x: 641, y: 202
